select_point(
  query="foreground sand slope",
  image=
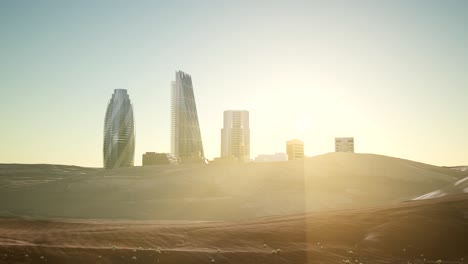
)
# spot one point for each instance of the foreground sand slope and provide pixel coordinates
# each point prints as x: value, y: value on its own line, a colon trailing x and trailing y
x: 217, y: 192
x: 422, y: 231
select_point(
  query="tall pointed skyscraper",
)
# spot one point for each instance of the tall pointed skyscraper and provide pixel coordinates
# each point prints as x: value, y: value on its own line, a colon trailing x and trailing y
x: 186, y: 142
x: 119, y: 131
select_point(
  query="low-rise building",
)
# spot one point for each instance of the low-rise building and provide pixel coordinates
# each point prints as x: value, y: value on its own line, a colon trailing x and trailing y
x: 153, y: 158
x: 344, y: 144
x: 295, y: 149
x: 279, y: 156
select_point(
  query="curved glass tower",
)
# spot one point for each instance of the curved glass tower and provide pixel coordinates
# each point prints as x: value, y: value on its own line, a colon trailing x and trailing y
x: 119, y: 131
x: 186, y: 142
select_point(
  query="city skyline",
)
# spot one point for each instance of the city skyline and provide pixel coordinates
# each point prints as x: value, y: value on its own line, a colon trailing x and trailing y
x: 317, y: 70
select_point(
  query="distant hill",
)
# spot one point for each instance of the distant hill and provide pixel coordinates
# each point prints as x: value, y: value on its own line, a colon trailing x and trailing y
x: 217, y: 192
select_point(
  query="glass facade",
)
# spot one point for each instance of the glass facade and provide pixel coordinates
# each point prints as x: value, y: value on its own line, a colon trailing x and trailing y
x: 235, y: 135
x: 119, y: 131
x: 186, y: 142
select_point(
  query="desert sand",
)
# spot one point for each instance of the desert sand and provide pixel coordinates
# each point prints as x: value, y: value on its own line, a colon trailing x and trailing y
x: 335, y: 208
x: 217, y: 192
x: 424, y: 231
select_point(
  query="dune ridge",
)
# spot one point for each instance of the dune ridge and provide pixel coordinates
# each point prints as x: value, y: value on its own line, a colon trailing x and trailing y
x: 217, y: 192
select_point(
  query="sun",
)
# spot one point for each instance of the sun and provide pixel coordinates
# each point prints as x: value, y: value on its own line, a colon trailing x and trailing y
x: 302, y: 126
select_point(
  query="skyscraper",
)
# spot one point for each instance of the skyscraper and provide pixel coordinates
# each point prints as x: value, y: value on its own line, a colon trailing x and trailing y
x: 119, y: 131
x: 186, y: 142
x: 235, y: 135
x: 295, y: 149
x: 344, y: 144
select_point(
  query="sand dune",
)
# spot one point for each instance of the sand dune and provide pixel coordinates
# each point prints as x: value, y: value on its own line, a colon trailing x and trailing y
x: 411, y: 232
x: 458, y: 187
x: 459, y: 168
x: 217, y: 192
x: 334, y: 208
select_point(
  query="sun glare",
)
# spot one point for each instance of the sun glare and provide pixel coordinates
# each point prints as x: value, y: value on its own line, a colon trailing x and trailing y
x: 302, y: 126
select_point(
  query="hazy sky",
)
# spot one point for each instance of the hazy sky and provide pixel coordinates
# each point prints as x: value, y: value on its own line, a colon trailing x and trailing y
x: 393, y: 74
